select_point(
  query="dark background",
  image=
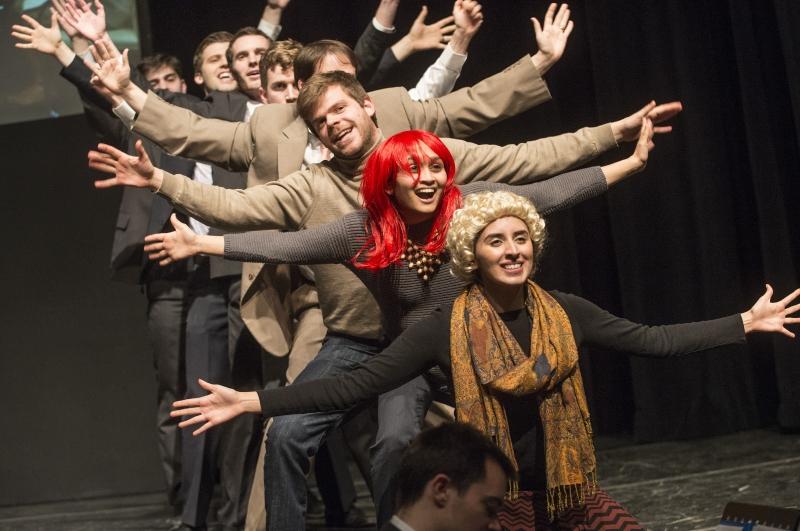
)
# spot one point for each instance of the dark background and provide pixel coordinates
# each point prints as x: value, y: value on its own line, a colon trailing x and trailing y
x: 695, y: 236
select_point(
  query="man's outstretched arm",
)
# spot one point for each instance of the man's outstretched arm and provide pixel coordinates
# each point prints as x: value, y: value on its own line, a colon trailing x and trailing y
x: 279, y: 205
x: 544, y: 157
x: 514, y: 90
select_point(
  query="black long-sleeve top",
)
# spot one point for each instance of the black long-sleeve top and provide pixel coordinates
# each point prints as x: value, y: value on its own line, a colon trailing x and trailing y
x: 427, y: 344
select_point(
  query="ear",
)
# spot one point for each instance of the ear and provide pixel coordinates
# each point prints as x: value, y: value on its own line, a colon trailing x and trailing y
x: 183, y: 86
x: 440, y: 487
x: 389, y: 190
x: 198, y: 79
x: 299, y: 84
x: 262, y: 95
x: 369, y: 106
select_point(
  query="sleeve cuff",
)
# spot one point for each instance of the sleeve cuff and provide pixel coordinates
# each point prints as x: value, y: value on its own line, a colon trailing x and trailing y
x: 125, y: 112
x: 269, y: 29
x: 380, y: 27
x: 86, y: 55
x: 452, y: 60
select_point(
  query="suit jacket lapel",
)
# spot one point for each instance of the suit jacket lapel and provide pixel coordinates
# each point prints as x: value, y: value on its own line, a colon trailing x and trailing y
x: 292, y: 147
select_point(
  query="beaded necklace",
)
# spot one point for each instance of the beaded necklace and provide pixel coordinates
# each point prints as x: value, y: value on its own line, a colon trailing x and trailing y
x: 425, y: 263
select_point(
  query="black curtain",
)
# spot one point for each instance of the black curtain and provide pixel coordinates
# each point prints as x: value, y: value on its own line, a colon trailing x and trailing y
x: 694, y: 236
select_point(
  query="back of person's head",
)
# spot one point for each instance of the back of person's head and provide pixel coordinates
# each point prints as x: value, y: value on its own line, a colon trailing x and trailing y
x: 247, y: 30
x: 317, y: 85
x: 456, y: 450
x: 156, y: 61
x: 282, y: 53
x: 217, y: 36
x: 308, y: 60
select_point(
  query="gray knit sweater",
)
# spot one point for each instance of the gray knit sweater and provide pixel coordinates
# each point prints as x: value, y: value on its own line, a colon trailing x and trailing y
x: 403, y: 297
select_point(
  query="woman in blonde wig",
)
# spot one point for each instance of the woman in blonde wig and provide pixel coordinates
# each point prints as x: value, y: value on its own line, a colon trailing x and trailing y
x: 511, y: 350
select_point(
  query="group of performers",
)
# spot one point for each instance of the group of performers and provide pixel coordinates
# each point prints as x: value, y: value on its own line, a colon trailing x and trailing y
x: 421, y: 248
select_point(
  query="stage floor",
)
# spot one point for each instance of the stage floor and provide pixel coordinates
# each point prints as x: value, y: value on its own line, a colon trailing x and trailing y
x: 675, y: 485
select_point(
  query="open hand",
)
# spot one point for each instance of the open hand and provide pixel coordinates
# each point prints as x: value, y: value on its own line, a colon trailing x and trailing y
x: 219, y: 406
x: 768, y: 316
x: 79, y: 15
x: 552, y: 36
x: 38, y: 37
x: 127, y: 170
x: 110, y: 70
x: 168, y: 247
x: 644, y: 145
x: 628, y: 128
x: 430, y: 36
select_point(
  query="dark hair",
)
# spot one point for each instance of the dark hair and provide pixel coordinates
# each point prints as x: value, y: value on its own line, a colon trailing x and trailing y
x: 456, y: 450
x: 159, y: 60
x: 315, y: 87
x: 247, y: 30
x: 309, y: 58
x: 213, y: 38
x: 282, y: 53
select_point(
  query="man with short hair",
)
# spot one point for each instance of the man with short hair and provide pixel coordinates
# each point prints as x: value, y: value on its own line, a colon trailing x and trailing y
x: 163, y: 72
x: 451, y: 478
x: 211, y: 70
x: 277, y: 72
x: 244, y: 53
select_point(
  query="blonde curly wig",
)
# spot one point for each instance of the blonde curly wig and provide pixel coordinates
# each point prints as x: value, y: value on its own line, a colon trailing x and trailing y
x: 480, y: 210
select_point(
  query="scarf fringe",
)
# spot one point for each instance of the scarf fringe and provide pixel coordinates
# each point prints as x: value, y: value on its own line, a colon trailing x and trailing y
x: 563, y: 497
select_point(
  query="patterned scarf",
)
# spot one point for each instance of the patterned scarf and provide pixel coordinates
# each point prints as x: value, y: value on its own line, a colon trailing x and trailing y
x: 487, y: 362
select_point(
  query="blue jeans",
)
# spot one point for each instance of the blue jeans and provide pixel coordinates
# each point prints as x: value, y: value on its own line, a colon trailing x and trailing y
x: 293, y: 439
x: 401, y: 412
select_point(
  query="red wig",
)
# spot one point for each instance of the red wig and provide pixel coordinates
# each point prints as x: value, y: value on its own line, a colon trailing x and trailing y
x: 387, y: 231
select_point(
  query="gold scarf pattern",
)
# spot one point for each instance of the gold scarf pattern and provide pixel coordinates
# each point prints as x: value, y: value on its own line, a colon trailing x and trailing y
x: 487, y: 362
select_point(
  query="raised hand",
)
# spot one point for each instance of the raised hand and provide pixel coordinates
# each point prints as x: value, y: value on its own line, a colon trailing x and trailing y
x: 617, y: 171
x: 38, y: 37
x: 551, y: 36
x: 79, y: 15
x: 219, y: 406
x: 627, y: 129
x: 109, y: 71
x: 60, y: 9
x: 644, y: 145
x: 430, y: 36
x: 168, y: 247
x: 127, y: 170
x: 768, y: 316
x: 467, y: 16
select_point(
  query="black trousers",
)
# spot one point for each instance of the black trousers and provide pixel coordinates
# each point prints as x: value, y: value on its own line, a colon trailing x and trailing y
x: 166, y: 316
x: 219, y: 349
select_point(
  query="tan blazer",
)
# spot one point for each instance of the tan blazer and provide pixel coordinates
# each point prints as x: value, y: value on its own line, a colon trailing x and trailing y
x: 273, y: 143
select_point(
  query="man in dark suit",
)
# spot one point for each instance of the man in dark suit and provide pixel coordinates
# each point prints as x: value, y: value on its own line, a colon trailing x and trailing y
x: 451, y: 478
x: 193, y: 309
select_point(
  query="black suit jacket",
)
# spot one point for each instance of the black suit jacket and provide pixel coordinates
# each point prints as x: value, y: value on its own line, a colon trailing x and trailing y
x: 142, y: 212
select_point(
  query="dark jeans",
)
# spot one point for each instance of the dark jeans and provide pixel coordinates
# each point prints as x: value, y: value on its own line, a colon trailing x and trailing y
x: 401, y: 413
x: 294, y: 439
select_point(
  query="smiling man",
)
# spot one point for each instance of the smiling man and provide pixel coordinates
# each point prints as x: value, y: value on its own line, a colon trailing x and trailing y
x: 244, y: 54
